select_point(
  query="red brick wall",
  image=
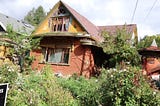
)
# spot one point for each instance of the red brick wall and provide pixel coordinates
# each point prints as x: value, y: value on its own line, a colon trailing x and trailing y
x: 81, y: 61
x: 151, y: 65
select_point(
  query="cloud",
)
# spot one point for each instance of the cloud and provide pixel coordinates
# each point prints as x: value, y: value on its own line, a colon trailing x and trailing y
x: 99, y: 12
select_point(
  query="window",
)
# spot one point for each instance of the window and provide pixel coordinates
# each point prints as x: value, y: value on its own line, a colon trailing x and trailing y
x: 59, y: 24
x: 55, y: 55
x: 59, y: 21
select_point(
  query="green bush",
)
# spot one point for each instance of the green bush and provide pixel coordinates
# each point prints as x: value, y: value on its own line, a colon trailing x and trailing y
x: 127, y: 87
x: 34, y: 88
x: 114, y: 87
x: 84, y: 90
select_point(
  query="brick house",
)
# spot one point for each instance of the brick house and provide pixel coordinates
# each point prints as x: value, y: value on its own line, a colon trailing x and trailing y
x: 150, y: 60
x: 69, y: 42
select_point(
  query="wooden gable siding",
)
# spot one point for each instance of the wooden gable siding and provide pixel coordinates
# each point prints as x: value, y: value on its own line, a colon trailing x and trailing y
x: 74, y: 26
x: 3, y: 51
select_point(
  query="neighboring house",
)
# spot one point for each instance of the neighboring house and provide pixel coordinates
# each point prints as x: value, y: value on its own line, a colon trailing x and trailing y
x: 18, y: 26
x: 131, y: 29
x: 69, y: 42
x: 151, y: 62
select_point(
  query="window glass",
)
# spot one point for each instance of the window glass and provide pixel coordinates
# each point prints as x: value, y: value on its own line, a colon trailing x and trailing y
x: 56, y: 55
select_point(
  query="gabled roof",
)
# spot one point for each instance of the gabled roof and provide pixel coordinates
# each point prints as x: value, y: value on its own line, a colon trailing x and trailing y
x: 112, y: 30
x: 91, y: 29
x: 18, y: 26
x: 95, y: 31
x: 152, y: 50
x: 84, y: 22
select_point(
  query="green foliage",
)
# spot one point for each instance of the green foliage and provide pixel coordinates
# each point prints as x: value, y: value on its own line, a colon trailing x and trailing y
x: 120, y: 47
x: 20, y: 48
x: 84, y: 90
x: 35, y: 16
x: 34, y: 89
x: 147, y: 41
x: 127, y: 87
x: 113, y: 87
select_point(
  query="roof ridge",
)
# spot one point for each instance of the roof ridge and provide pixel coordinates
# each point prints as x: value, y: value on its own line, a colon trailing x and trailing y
x: 83, y: 21
x: 114, y: 25
x: 17, y: 25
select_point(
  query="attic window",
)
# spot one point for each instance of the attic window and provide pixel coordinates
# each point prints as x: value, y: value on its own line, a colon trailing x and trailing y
x: 59, y: 24
x: 61, y: 10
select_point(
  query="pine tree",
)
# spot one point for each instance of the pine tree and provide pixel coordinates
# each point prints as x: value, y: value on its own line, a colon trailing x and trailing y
x: 35, y: 16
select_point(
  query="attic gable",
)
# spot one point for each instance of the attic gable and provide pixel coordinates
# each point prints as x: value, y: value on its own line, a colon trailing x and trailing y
x: 71, y: 20
x: 59, y: 19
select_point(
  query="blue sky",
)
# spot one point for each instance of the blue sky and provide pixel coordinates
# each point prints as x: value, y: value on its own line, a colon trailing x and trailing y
x: 99, y: 12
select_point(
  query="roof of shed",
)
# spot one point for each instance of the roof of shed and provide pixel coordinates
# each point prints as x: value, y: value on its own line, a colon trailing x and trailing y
x: 112, y: 29
x: 18, y: 26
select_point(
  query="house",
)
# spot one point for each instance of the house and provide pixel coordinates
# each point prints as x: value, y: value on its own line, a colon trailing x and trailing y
x: 150, y: 62
x: 69, y: 42
x: 18, y: 26
x: 150, y: 59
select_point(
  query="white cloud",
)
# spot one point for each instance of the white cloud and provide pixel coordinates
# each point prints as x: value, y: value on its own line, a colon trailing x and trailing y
x: 100, y: 12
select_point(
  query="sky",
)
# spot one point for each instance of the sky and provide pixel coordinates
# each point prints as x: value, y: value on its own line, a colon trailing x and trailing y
x: 99, y: 12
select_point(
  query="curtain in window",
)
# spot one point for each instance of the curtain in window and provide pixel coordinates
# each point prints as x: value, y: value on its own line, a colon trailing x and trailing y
x: 43, y: 58
x: 66, y: 56
x: 55, y: 55
x: 58, y: 55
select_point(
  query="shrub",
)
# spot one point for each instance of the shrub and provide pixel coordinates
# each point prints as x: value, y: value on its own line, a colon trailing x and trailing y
x: 84, y: 90
x: 127, y: 87
x: 34, y: 89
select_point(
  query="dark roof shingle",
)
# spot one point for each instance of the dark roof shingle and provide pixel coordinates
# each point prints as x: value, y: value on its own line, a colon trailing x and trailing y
x: 86, y: 24
x: 112, y: 30
x: 18, y: 26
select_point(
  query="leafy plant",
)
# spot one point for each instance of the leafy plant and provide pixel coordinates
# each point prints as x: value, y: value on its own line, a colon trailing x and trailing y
x: 127, y: 87
x: 121, y: 48
x: 19, y: 50
x: 82, y: 89
x: 34, y: 88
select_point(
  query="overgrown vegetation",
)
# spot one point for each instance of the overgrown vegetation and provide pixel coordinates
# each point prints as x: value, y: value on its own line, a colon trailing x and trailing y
x: 121, y: 48
x: 19, y: 50
x: 34, y: 89
x: 127, y: 87
x: 147, y: 41
x: 118, y: 86
x: 84, y: 90
x: 114, y: 87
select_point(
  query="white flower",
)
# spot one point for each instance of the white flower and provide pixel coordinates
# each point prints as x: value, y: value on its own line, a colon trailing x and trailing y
x: 154, y: 93
x: 114, y: 69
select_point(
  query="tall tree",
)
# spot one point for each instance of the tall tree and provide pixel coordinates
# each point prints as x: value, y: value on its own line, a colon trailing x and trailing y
x: 19, y: 50
x: 35, y: 16
x: 120, y: 48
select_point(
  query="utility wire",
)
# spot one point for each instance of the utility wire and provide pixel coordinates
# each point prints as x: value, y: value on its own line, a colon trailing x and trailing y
x: 134, y: 11
x: 150, y: 10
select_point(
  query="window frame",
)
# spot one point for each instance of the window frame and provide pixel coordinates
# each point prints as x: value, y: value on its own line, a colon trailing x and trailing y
x: 45, y: 58
x: 59, y: 24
